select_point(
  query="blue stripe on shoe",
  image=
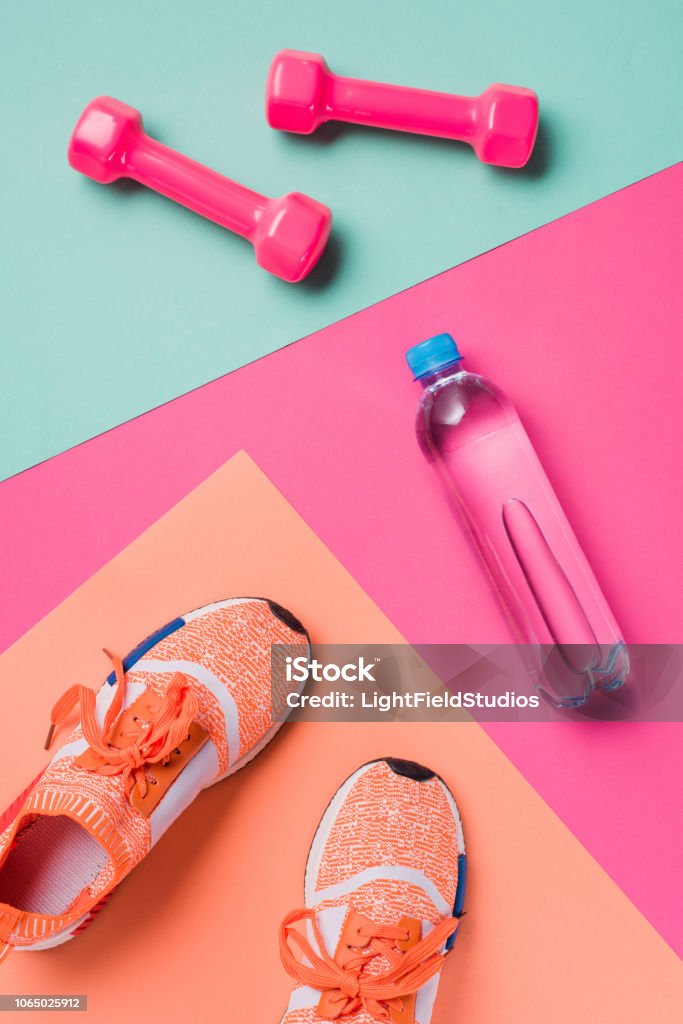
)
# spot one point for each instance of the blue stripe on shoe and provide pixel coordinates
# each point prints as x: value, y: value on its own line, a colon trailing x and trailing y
x: 147, y: 645
x: 459, y: 893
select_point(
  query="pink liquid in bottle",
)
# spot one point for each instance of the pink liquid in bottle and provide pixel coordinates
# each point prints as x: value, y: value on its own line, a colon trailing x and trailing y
x: 472, y: 434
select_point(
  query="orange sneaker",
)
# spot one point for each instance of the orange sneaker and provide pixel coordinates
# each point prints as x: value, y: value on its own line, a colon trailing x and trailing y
x: 185, y: 709
x: 384, y: 888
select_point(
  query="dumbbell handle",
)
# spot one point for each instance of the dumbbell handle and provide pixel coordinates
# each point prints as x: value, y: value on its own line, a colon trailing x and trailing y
x: 395, y: 106
x: 193, y: 185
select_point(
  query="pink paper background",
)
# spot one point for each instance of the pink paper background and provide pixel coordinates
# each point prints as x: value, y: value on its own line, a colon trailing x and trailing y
x: 579, y: 321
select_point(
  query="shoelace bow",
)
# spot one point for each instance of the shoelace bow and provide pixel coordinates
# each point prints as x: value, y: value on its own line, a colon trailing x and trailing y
x: 377, y: 993
x: 151, y: 742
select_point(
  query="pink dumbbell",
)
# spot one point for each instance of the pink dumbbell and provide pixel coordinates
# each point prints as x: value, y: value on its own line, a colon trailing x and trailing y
x: 302, y: 93
x: 288, y: 233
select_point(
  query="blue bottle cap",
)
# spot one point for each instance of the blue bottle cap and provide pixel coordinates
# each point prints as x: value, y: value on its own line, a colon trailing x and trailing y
x: 432, y: 355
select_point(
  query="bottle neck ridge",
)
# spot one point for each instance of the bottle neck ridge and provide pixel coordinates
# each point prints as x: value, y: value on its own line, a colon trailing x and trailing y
x: 450, y: 370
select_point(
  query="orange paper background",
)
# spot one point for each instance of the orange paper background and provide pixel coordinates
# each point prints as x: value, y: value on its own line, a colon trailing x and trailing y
x: 192, y: 934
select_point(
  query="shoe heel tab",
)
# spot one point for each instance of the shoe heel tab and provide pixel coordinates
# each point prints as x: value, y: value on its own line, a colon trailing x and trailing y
x: 9, y: 919
x: 410, y: 769
x: 286, y: 616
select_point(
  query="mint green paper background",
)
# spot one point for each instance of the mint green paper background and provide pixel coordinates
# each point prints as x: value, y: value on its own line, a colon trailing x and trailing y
x: 115, y: 300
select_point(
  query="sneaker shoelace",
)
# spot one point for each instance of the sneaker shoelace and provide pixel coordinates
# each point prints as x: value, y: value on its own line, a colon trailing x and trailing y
x: 150, y: 742
x: 352, y: 987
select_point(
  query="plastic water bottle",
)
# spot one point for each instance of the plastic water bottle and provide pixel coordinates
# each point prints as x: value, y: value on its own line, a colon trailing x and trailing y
x: 472, y: 434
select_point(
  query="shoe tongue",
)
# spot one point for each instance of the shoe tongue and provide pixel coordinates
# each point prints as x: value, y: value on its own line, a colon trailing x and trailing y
x: 345, y: 935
